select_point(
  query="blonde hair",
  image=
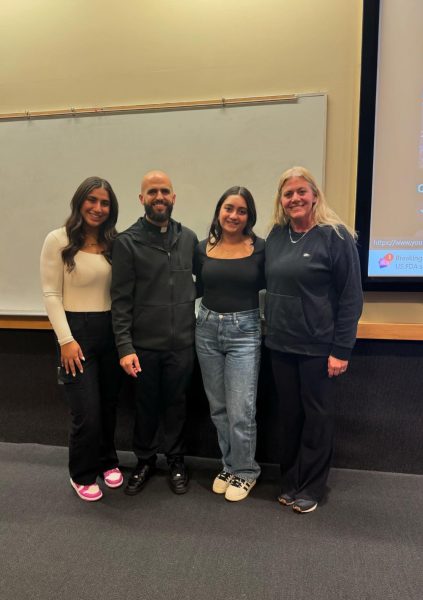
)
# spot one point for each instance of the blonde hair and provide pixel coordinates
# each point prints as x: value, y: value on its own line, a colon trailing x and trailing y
x: 322, y: 214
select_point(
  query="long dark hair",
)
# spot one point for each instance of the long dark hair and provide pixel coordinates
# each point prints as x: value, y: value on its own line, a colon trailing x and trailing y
x: 75, y: 223
x: 215, y: 233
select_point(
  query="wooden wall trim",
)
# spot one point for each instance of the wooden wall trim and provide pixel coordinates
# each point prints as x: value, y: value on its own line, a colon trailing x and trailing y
x: 20, y: 322
x: 390, y: 331
x: 104, y: 110
x: 366, y: 330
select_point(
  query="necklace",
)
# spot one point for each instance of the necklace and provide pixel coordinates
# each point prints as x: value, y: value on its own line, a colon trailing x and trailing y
x: 299, y: 239
x: 98, y: 247
x: 241, y: 249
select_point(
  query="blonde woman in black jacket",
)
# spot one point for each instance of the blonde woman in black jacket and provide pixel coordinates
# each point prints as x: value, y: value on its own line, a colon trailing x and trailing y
x: 313, y: 303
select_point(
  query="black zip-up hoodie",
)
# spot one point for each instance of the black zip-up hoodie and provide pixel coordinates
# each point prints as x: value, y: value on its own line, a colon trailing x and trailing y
x: 153, y: 291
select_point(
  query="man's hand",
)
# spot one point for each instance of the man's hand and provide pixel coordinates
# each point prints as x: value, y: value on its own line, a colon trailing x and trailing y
x: 336, y: 366
x: 71, y: 356
x: 130, y: 364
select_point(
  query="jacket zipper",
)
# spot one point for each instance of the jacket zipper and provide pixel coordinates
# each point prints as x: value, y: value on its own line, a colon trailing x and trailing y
x: 171, y: 282
x: 172, y: 308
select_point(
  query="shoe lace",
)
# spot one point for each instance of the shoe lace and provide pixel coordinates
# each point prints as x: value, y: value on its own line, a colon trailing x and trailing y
x: 239, y: 482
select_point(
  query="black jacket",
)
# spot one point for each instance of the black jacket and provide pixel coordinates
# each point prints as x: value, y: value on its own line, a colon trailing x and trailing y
x: 314, y: 297
x: 153, y: 291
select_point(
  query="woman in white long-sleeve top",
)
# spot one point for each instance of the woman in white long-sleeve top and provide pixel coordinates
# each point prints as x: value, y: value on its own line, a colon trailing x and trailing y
x: 76, y: 275
x: 313, y: 304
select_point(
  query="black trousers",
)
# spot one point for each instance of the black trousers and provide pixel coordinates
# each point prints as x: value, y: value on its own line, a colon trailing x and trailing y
x: 92, y: 397
x: 160, y: 402
x: 306, y: 413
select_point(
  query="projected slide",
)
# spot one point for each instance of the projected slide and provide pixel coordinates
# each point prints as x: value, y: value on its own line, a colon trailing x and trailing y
x: 396, y: 230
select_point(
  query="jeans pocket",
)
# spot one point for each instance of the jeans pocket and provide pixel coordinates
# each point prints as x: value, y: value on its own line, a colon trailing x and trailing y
x: 248, y: 325
x: 201, y: 317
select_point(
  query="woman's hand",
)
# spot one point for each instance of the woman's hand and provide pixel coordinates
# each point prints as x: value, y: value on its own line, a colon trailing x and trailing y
x: 336, y: 366
x: 71, y: 356
x: 130, y: 364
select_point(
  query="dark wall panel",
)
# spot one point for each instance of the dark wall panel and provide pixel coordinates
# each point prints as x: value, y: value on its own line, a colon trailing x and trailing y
x: 379, y: 408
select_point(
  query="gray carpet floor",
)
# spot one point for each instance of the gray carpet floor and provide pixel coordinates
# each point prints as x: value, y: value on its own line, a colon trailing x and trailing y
x: 364, y: 542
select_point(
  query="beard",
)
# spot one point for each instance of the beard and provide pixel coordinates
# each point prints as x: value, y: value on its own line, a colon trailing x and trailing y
x: 158, y: 217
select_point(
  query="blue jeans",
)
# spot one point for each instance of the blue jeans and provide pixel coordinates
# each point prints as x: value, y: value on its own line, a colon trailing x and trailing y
x: 228, y: 348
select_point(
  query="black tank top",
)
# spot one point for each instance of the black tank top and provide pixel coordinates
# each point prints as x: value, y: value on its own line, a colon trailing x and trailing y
x: 230, y: 285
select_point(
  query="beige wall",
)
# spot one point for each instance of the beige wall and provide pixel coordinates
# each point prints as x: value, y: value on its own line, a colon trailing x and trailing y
x: 76, y: 53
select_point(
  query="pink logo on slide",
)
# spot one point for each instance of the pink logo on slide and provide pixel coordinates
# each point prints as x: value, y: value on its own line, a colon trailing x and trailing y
x: 386, y: 260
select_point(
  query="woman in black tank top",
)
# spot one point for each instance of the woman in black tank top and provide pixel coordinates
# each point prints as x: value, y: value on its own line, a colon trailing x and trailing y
x: 230, y: 273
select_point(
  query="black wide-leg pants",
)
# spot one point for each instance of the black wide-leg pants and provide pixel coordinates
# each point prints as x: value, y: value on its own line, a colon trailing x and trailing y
x: 306, y: 412
x: 160, y: 402
x: 92, y: 397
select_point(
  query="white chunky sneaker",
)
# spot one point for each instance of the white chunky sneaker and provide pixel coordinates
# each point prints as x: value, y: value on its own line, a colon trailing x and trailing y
x: 239, y: 488
x: 221, y: 482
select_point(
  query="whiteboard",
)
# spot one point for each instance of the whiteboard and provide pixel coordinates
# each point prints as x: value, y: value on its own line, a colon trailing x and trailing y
x: 204, y: 151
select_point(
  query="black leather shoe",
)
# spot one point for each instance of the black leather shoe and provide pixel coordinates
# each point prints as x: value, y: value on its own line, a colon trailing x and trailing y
x: 178, y: 477
x: 140, y: 476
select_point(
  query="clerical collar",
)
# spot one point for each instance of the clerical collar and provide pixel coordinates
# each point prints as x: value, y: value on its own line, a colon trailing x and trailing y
x: 155, y: 228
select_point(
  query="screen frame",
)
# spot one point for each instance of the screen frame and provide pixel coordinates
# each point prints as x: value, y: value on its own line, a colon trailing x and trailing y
x: 366, y: 139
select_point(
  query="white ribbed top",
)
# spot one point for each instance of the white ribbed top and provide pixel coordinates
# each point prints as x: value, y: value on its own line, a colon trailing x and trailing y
x: 85, y: 289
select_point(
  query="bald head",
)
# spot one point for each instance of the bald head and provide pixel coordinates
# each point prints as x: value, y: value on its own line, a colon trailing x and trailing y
x: 153, y: 177
x: 157, y: 197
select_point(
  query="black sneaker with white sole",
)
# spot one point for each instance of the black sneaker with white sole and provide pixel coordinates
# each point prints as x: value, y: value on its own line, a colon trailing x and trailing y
x: 286, y: 500
x: 302, y: 505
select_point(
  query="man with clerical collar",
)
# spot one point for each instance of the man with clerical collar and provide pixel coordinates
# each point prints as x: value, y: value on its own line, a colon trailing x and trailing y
x: 153, y: 295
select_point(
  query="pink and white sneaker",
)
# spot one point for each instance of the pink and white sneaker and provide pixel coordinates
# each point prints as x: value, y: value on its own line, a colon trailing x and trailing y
x: 113, y: 478
x: 89, y: 493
